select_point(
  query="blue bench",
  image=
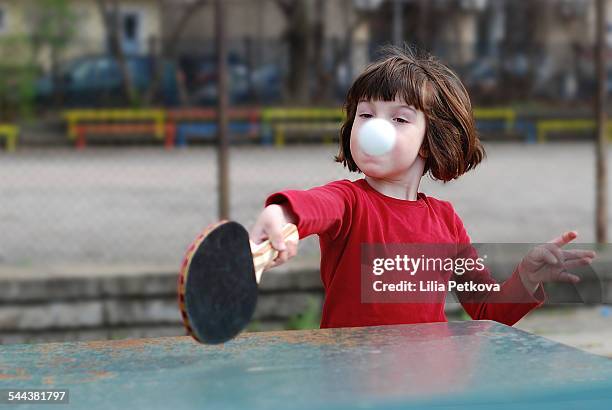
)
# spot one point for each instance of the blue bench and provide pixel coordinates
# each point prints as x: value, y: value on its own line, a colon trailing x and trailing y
x: 208, y: 131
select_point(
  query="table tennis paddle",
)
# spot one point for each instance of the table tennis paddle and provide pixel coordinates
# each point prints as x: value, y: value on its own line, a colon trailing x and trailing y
x: 219, y: 278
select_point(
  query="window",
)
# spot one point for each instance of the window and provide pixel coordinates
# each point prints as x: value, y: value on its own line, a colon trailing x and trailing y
x: 131, y: 32
x: 2, y: 20
x: 130, y: 26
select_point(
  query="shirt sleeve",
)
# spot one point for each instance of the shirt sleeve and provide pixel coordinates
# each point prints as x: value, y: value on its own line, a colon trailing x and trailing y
x: 508, y: 305
x: 323, y: 210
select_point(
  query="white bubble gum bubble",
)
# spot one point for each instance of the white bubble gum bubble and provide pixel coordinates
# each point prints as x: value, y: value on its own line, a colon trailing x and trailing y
x: 376, y: 136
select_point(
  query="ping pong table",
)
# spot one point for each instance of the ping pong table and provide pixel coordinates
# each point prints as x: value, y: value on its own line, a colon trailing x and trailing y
x: 461, y: 365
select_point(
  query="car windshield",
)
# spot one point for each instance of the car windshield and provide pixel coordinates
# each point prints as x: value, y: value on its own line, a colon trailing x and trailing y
x: 83, y: 71
x: 107, y: 67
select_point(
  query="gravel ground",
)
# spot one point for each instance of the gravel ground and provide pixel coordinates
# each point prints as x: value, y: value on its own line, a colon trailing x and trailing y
x: 587, y: 328
x: 144, y: 205
x: 110, y: 207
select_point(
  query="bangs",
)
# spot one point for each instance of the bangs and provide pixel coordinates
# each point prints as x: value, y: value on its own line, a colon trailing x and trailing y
x: 390, y: 79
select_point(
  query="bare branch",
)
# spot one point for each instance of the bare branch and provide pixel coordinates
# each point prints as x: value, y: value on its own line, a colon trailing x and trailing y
x: 286, y: 6
x: 191, y: 9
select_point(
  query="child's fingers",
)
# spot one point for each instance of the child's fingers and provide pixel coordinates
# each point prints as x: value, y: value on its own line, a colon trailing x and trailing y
x: 284, y: 256
x: 274, y: 231
x: 281, y: 258
x: 291, y: 248
x: 564, y: 239
x: 573, y: 263
x: 568, y: 277
x: 290, y: 252
x: 557, y: 253
x: 262, y: 229
x: 545, y: 255
x: 577, y: 254
x: 256, y: 235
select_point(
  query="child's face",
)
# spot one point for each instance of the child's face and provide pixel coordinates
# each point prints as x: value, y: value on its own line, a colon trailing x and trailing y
x: 410, y: 126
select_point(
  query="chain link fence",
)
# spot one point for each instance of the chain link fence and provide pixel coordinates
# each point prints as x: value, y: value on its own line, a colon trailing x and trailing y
x: 125, y: 200
x: 142, y: 206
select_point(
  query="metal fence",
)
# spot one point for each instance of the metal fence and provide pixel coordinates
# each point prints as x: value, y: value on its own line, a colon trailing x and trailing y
x: 143, y: 205
x: 126, y: 200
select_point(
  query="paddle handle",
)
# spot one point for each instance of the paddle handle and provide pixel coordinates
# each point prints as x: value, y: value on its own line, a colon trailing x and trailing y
x: 264, y: 253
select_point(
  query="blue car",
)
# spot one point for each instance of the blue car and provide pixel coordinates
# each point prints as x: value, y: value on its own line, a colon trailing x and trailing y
x: 247, y: 85
x: 96, y: 81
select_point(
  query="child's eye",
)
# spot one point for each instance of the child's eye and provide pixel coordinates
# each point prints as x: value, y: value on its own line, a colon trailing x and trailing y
x: 365, y: 115
x: 401, y: 120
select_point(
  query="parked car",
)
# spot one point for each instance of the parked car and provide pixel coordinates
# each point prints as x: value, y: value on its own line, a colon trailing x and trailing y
x: 261, y: 84
x: 481, y: 78
x: 97, y: 81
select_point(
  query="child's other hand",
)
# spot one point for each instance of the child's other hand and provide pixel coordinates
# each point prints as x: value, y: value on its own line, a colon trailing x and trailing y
x: 269, y: 225
x: 548, y: 262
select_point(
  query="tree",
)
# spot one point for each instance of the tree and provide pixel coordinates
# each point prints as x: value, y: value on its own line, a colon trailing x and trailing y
x: 169, y: 45
x: 110, y: 14
x: 298, y: 38
x: 53, y: 28
x: 306, y: 39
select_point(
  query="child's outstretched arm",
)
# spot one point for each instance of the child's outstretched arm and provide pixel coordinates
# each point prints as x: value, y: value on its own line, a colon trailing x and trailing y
x: 269, y: 225
x: 323, y: 210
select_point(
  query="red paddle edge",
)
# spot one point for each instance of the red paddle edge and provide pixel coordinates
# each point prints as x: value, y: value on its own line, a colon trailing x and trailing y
x: 184, y: 271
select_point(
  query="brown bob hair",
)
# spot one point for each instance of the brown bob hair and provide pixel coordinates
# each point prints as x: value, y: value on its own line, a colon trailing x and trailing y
x: 451, y: 145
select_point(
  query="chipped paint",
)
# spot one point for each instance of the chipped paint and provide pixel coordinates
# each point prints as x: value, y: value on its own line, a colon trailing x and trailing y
x: 48, y: 380
x: 16, y: 374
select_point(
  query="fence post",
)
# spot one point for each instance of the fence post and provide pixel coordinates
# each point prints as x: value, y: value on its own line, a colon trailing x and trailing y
x: 601, y: 208
x: 223, y: 145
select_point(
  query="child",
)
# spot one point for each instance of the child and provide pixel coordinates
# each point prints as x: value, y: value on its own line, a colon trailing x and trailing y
x: 432, y: 114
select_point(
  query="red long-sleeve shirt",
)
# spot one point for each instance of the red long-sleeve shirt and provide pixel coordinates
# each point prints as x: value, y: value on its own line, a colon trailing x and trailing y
x: 348, y: 214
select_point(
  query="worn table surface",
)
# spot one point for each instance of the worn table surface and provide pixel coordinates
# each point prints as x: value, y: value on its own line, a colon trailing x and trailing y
x: 454, y: 365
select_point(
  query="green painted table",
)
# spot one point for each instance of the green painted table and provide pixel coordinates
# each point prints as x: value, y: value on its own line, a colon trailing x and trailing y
x: 476, y: 365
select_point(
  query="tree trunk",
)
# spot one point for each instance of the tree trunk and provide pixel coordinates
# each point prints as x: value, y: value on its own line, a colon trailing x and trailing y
x: 322, y: 93
x: 298, y: 38
x: 169, y: 48
x: 109, y: 12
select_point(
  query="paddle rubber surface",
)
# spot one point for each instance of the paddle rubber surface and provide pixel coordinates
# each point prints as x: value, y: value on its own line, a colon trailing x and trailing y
x: 217, y: 286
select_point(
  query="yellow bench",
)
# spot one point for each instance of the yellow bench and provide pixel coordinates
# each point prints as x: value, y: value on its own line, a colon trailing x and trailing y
x: 508, y: 115
x: 76, y: 119
x: 10, y: 133
x: 331, y: 131
x: 543, y: 127
x: 281, y: 121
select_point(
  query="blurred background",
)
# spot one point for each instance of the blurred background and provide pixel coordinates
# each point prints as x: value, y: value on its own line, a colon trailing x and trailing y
x: 109, y: 161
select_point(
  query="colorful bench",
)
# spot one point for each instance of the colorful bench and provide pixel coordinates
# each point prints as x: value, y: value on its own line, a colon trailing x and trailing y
x: 10, y: 133
x: 503, y: 119
x: 544, y: 127
x: 83, y: 130
x: 330, y: 131
x: 201, y: 123
x: 506, y: 115
x: 275, y: 125
x: 279, y: 123
x: 208, y: 131
x: 82, y: 123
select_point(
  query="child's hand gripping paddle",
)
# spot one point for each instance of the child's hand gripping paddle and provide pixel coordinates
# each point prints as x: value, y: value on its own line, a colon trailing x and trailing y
x: 218, y: 280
